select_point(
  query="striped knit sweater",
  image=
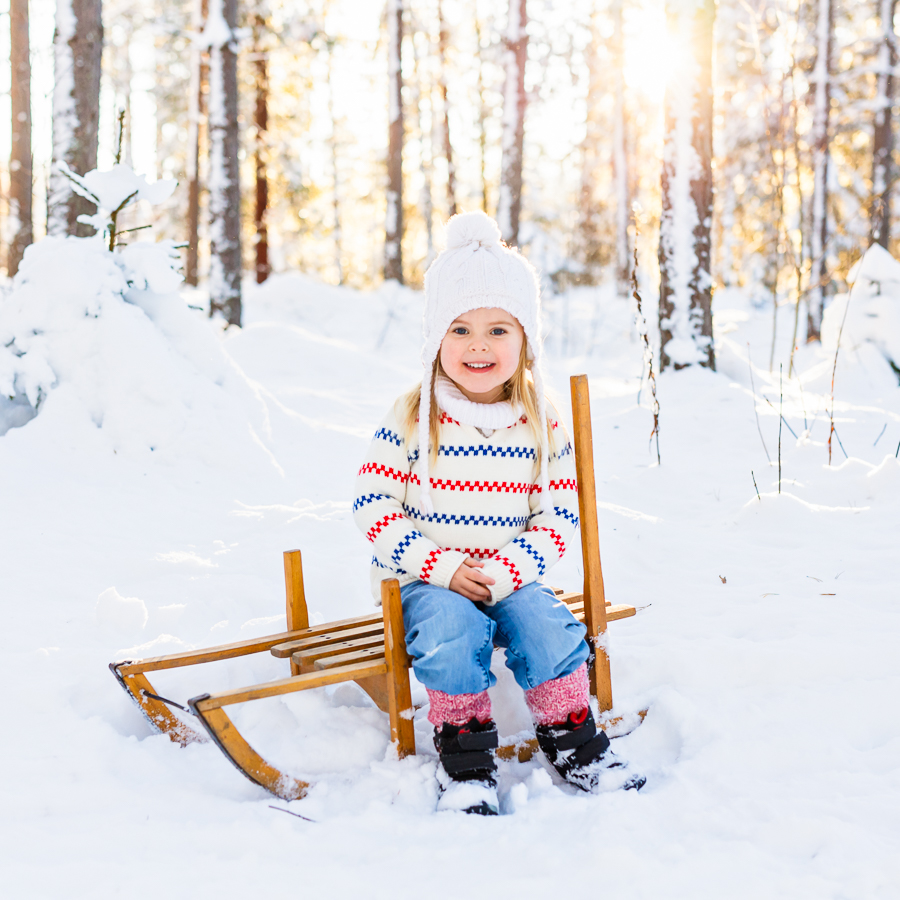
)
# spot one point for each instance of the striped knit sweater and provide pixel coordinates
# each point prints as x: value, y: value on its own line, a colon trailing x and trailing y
x: 487, y: 503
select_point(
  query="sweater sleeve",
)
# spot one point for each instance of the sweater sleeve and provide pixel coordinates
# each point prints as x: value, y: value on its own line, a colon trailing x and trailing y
x: 550, y: 527
x: 379, y: 511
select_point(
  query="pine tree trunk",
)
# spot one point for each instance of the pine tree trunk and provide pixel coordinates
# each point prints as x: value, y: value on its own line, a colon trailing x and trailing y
x: 20, y: 161
x: 224, y: 173
x: 261, y: 121
x: 482, y: 123
x: 427, y: 154
x: 443, y: 40
x: 78, y: 45
x: 620, y: 158
x: 393, y: 231
x: 335, y: 173
x: 685, y: 299
x: 590, y: 251
x: 818, y: 239
x: 509, y: 205
x: 199, y: 75
x: 883, y: 137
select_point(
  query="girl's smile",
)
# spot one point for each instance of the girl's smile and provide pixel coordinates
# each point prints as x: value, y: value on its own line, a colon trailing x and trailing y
x: 481, y: 351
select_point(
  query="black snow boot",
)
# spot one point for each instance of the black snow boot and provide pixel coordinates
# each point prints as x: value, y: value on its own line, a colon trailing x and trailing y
x: 581, y: 754
x: 468, y: 767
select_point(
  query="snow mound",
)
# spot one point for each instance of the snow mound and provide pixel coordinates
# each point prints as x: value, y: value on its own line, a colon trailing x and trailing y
x: 870, y: 313
x: 86, y: 324
x: 123, y: 614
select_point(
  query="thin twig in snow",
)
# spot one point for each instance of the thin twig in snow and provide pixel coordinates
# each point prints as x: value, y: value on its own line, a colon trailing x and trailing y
x: 290, y: 813
x: 648, y: 352
x: 755, y: 411
x: 833, y: 370
x: 840, y: 444
x: 880, y: 433
x: 780, y: 420
x: 754, y: 485
x: 787, y: 424
x: 897, y: 452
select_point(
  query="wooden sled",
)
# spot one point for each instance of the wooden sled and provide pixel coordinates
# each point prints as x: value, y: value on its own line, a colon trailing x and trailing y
x: 370, y: 650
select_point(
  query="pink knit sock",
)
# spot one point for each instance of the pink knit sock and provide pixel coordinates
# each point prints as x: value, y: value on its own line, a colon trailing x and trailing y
x: 457, y: 709
x: 551, y: 702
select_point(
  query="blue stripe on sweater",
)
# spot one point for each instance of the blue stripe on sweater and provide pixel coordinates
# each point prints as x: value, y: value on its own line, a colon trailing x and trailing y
x: 368, y: 498
x: 385, y: 434
x: 486, y: 450
x: 448, y: 519
x: 402, y: 547
x: 377, y: 562
x: 565, y: 514
x: 532, y: 553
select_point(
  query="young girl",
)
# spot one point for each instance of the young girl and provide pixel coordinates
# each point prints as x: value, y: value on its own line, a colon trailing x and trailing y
x: 468, y: 495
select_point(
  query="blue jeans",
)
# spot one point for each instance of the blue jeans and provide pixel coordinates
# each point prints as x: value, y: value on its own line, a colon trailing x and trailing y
x: 450, y: 638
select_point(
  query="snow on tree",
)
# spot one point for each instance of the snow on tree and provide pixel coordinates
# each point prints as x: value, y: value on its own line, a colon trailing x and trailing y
x: 393, y: 229
x: 685, y: 292
x: 818, y: 237
x: 77, y: 47
x: 224, y: 172
x: 509, y: 204
x: 20, y: 162
x: 883, y: 135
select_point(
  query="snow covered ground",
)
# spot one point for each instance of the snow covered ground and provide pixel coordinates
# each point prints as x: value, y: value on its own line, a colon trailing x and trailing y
x: 145, y: 509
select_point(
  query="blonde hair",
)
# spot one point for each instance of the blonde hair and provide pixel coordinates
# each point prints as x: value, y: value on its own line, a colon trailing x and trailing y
x: 518, y: 390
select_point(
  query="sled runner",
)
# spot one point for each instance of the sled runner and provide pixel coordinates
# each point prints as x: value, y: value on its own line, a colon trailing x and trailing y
x: 371, y: 650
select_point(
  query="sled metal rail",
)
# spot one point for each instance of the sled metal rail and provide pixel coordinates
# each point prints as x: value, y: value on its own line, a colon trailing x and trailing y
x: 369, y: 650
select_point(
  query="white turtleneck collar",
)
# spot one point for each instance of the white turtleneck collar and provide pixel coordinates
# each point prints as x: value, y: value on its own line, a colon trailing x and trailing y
x: 486, y: 417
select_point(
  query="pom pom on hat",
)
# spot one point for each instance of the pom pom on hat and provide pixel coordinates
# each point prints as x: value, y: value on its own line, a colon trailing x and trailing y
x: 467, y: 228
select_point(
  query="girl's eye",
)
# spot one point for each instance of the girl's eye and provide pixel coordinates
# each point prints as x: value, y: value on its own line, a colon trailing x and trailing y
x: 460, y: 330
x: 498, y: 331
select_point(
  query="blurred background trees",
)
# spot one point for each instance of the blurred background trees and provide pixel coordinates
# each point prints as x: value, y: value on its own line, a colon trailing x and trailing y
x: 754, y: 149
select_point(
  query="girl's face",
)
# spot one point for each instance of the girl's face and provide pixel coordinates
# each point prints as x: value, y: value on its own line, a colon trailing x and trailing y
x: 480, y: 352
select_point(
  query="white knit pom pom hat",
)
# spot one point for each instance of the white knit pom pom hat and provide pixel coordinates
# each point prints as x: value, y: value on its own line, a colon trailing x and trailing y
x: 477, y: 270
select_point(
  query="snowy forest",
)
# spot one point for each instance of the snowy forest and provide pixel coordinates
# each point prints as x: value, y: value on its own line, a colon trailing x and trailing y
x: 334, y: 137
x: 216, y: 217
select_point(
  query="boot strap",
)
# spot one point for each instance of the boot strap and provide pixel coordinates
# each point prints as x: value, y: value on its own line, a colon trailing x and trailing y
x: 456, y: 763
x: 478, y: 740
x: 592, y: 750
x: 570, y: 740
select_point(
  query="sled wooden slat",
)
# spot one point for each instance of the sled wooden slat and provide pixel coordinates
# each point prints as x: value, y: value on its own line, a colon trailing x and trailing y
x: 621, y: 611
x: 305, y: 658
x: 400, y: 708
x: 287, y: 649
x: 290, y: 685
x: 240, y: 648
x: 352, y: 657
x: 295, y: 606
x: 594, y: 594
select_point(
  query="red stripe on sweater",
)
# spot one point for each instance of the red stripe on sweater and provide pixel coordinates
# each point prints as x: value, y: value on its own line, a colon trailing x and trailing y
x: 430, y: 562
x: 502, y: 487
x: 387, y: 471
x: 516, y: 576
x: 567, y: 484
x: 474, y: 552
x: 560, y: 543
x: 381, y: 524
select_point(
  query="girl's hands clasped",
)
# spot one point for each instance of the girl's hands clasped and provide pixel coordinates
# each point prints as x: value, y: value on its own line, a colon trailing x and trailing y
x: 471, y: 583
